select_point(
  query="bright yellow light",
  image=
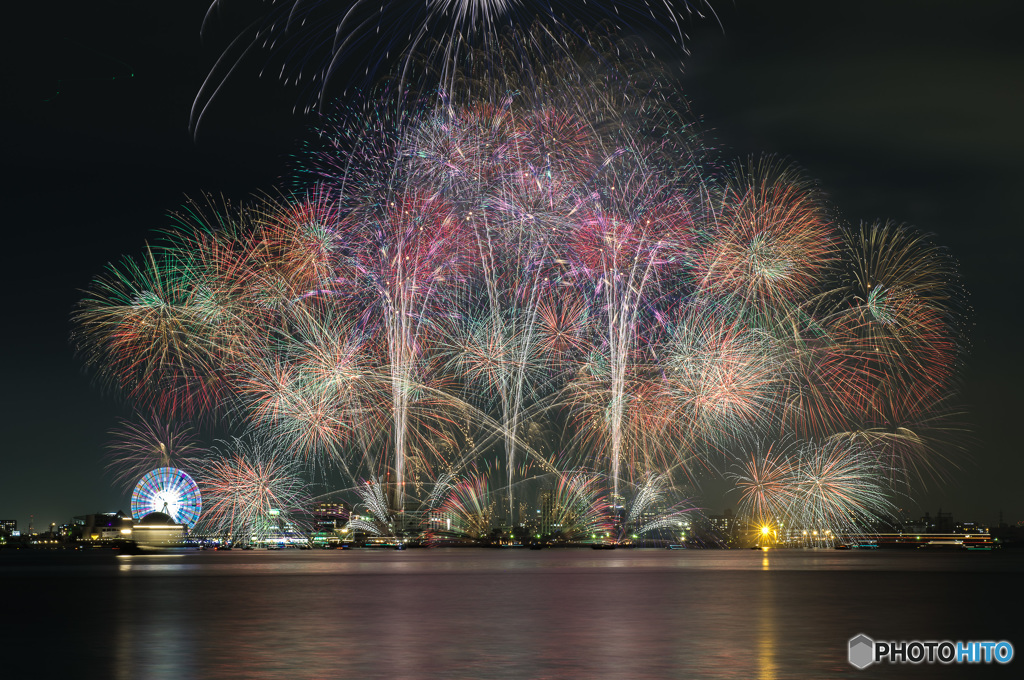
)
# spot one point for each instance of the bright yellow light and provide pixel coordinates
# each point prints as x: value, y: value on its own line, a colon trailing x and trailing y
x: 765, y: 530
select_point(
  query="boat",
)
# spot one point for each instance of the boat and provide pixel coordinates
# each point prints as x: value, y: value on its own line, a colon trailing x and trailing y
x: 943, y: 545
x: 676, y: 546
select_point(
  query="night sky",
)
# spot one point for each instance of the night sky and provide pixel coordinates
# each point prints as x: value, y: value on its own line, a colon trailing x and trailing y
x: 909, y: 111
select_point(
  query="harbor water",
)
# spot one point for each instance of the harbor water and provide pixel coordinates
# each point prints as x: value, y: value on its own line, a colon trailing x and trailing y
x: 478, y: 613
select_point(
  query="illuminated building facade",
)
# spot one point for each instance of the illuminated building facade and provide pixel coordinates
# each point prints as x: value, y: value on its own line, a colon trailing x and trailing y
x: 103, y: 526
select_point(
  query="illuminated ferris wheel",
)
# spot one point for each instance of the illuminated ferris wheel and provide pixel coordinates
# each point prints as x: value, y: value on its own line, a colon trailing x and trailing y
x: 170, y: 491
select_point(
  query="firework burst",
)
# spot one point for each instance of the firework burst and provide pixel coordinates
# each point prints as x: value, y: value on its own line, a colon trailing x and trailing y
x: 144, y: 443
x: 839, y: 487
x: 460, y: 279
x: 765, y: 482
x: 814, y: 488
x: 251, y: 490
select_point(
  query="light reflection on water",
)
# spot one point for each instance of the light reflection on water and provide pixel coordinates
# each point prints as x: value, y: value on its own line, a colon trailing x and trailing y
x: 767, y: 616
x: 499, y: 614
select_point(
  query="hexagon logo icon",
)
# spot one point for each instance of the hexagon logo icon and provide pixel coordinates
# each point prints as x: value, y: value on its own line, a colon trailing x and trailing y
x: 862, y: 651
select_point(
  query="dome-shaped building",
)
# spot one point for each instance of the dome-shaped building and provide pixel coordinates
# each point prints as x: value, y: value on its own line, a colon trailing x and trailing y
x: 158, y: 529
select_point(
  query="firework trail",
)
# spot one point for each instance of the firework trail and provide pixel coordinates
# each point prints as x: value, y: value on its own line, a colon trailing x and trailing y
x: 307, y: 42
x: 579, y: 507
x: 412, y: 253
x: 630, y: 237
x: 898, y: 309
x: 497, y: 342
x: 651, y: 508
x: 380, y: 520
x: 374, y: 514
x: 913, y: 436
x: 316, y: 391
x: 635, y: 414
x: 552, y: 504
x: 472, y: 505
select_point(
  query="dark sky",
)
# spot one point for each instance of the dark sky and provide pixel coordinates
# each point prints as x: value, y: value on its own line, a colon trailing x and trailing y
x: 909, y: 110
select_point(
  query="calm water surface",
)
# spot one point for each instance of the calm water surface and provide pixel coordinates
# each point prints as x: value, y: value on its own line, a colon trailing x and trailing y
x: 474, y: 613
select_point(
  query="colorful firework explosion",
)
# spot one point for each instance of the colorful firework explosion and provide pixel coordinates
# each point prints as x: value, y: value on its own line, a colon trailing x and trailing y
x: 251, y: 491
x: 814, y: 488
x: 148, y: 442
x: 470, y: 279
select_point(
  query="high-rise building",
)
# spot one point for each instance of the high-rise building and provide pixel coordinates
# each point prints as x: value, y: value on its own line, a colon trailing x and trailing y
x: 8, y: 526
x: 547, y: 513
x: 330, y: 516
x: 442, y: 522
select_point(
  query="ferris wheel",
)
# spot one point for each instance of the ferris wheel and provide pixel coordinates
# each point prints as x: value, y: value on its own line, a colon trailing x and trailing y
x: 170, y: 491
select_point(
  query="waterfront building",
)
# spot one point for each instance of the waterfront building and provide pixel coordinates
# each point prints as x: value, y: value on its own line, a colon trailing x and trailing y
x: 103, y: 526
x: 157, y: 529
x: 970, y: 528
x: 439, y: 521
x: 547, y: 514
x: 328, y: 517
